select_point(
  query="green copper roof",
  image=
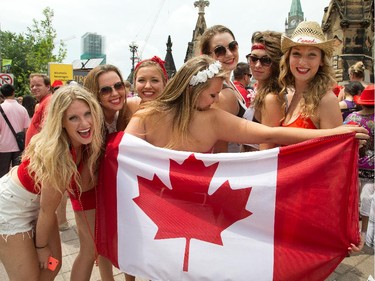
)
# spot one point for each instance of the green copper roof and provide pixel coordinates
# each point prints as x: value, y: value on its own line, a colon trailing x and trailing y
x: 296, y: 8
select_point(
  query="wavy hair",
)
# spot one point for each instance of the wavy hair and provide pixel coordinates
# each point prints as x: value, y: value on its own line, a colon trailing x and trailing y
x: 322, y: 82
x: 179, y: 99
x: 51, y: 163
x: 272, y: 43
x: 208, y: 34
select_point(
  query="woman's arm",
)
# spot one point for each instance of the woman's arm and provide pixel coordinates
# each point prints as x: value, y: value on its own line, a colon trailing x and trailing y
x: 329, y: 112
x: 136, y: 128
x: 49, y: 202
x: 233, y: 129
x: 271, y: 115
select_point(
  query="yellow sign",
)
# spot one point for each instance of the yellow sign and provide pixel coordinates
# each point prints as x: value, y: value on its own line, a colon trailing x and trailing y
x: 60, y: 71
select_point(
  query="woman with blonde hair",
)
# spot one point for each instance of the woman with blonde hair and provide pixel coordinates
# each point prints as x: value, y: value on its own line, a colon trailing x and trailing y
x: 306, y: 79
x: 356, y: 73
x: 62, y: 157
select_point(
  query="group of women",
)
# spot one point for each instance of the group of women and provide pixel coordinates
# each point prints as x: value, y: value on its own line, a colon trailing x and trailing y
x: 197, y: 110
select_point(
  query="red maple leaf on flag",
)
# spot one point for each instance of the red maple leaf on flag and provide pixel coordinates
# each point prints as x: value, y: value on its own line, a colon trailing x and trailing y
x: 187, y: 210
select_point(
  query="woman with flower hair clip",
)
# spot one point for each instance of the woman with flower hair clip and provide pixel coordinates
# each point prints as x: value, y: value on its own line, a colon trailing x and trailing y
x: 182, y: 117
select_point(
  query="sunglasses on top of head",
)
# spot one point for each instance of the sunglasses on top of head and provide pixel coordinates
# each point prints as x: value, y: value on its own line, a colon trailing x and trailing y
x: 264, y: 61
x: 221, y: 50
x: 106, y: 90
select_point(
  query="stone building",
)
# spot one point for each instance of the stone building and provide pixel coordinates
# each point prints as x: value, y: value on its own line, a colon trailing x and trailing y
x: 351, y: 24
x: 200, y: 27
x: 295, y: 16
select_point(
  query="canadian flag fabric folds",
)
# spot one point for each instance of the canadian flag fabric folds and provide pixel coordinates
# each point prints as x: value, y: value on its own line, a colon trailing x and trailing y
x: 287, y: 213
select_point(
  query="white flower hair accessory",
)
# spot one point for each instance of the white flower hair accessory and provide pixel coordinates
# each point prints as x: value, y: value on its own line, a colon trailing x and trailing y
x: 203, y: 75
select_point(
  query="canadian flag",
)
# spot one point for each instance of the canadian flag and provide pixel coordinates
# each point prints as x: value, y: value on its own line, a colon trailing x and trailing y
x: 286, y: 213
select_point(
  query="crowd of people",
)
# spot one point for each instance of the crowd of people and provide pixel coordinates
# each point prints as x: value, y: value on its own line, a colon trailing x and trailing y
x: 199, y: 109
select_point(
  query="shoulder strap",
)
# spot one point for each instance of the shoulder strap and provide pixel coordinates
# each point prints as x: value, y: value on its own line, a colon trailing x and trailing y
x: 7, y: 120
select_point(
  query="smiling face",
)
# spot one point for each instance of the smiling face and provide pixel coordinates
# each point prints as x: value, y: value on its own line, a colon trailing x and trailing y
x: 210, y: 94
x: 304, y: 62
x: 230, y: 59
x: 112, y: 101
x: 38, y: 88
x: 78, y: 123
x: 149, y: 83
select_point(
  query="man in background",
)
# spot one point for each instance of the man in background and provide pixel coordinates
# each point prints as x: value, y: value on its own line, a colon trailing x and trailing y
x: 242, y: 78
x: 19, y: 119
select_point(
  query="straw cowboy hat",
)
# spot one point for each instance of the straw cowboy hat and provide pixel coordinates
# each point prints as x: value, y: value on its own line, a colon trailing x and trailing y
x: 367, y: 96
x: 308, y: 33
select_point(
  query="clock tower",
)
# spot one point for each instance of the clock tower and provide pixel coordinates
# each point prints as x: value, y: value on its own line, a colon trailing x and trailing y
x: 295, y: 16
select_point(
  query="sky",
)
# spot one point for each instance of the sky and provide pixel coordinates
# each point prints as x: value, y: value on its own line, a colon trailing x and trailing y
x: 149, y: 22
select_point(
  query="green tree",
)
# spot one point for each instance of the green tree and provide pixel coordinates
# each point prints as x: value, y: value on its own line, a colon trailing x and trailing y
x: 32, y: 51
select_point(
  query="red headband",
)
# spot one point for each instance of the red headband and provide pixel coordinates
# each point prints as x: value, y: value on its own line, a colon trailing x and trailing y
x: 258, y: 46
x: 157, y: 60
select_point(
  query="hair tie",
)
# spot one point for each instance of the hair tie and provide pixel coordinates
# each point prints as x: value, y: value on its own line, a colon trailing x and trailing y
x: 258, y: 46
x: 157, y: 60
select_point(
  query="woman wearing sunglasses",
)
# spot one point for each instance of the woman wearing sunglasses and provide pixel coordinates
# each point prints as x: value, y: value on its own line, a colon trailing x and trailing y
x: 264, y: 64
x: 107, y: 85
x: 219, y: 43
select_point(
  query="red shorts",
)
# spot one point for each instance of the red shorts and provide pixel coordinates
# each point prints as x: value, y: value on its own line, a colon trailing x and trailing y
x: 87, y: 201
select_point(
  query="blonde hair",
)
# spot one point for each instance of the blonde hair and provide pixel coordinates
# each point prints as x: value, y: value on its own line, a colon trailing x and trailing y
x: 51, y: 163
x: 149, y: 63
x: 180, y: 99
x: 357, y: 70
x: 272, y: 43
x: 322, y: 82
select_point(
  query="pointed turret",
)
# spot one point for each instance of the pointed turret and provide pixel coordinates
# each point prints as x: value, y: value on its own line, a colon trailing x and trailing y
x: 169, y: 61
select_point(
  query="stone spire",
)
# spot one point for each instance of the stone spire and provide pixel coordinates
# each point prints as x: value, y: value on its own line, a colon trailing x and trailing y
x: 169, y: 61
x: 200, y: 27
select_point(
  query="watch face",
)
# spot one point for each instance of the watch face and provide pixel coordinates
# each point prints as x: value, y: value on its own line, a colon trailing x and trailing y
x: 293, y: 23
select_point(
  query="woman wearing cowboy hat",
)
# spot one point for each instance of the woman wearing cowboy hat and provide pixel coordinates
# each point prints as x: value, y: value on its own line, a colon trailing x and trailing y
x: 307, y: 80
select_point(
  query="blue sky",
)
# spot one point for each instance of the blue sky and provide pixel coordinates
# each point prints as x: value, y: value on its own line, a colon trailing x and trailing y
x: 149, y: 22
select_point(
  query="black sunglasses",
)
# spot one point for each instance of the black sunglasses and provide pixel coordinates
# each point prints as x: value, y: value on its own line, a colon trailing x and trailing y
x: 265, y: 61
x: 221, y: 50
x: 106, y: 90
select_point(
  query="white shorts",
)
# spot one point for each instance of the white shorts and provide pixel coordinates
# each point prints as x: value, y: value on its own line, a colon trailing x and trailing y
x: 368, y: 189
x: 19, y: 208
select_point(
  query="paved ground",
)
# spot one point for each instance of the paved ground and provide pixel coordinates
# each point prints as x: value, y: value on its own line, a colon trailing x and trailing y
x: 355, y: 268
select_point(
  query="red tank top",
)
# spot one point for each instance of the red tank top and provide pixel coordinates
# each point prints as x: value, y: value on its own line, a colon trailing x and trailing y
x: 29, y: 183
x: 301, y: 122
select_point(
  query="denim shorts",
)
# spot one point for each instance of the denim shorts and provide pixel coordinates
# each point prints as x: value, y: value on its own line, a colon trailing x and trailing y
x: 19, y: 208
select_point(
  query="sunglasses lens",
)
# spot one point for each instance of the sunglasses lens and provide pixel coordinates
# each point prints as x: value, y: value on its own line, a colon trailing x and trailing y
x: 220, y: 51
x: 266, y: 61
x: 105, y: 90
x: 119, y: 86
x: 233, y: 46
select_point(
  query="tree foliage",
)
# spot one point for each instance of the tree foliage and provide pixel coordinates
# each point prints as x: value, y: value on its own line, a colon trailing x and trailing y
x: 31, y: 51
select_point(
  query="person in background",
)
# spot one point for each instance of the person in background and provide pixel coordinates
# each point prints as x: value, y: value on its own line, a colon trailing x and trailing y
x: 264, y: 60
x: 356, y: 73
x: 10, y: 154
x: 242, y: 76
x: 365, y: 118
x: 56, y: 85
x: 219, y: 42
x: 40, y: 86
x: 347, y: 105
x: 29, y: 103
x: 128, y: 89
x: 31, y: 192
